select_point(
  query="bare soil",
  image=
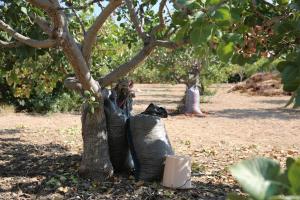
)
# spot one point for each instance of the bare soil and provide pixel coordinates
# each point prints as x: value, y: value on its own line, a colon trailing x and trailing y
x: 40, y: 154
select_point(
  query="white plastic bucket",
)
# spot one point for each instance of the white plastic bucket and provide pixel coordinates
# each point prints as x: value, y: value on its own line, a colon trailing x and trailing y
x: 177, y: 172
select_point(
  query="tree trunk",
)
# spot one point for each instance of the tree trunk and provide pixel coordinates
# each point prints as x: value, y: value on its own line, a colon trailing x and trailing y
x: 95, y: 162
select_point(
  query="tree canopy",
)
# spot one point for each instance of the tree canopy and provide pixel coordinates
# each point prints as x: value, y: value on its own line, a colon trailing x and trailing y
x: 237, y: 32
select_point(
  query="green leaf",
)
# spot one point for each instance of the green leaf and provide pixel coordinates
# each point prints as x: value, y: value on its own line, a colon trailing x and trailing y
x: 236, y: 13
x: 281, y: 197
x: 200, y: 35
x: 291, y: 77
x: 289, y: 162
x: 238, y: 59
x: 193, y: 6
x: 213, y: 2
x: 281, y: 65
x: 285, y: 27
x: 24, y: 10
x: 282, y: 2
x: 297, y: 99
x: 181, y: 33
x: 294, y: 177
x: 179, y: 18
x: 225, y: 51
x: 258, y: 177
x: 222, y: 16
x: 250, y: 20
x: 234, y: 37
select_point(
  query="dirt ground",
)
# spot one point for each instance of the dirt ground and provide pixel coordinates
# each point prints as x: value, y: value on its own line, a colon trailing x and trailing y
x: 40, y: 155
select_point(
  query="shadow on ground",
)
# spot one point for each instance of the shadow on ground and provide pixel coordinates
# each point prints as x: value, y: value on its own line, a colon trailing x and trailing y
x: 9, y: 131
x: 30, y: 171
x: 279, y: 102
x: 281, y: 114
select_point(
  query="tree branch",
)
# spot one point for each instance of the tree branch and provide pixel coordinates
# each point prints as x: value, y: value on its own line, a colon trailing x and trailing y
x: 80, y: 22
x: 161, y: 24
x: 44, y: 4
x: 72, y: 83
x: 170, y: 44
x: 135, y: 21
x: 26, y: 40
x: 128, y: 66
x: 80, y: 7
x: 43, y: 24
x: 91, y: 35
x: 4, y: 44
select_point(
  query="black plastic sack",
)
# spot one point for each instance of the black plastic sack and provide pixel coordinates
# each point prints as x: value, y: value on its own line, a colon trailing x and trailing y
x: 149, y: 145
x: 155, y: 110
x: 117, y: 139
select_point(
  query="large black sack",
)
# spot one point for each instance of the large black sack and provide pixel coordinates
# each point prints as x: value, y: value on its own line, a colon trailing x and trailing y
x: 117, y: 140
x: 149, y: 145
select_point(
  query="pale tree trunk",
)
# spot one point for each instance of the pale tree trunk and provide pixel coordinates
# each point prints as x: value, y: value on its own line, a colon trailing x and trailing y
x: 95, y: 163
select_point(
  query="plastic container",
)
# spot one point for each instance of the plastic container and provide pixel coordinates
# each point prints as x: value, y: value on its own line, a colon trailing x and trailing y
x: 177, y: 172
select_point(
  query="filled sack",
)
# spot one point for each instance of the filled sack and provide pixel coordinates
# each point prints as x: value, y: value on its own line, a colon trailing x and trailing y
x: 192, y: 101
x: 117, y: 140
x: 149, y: 145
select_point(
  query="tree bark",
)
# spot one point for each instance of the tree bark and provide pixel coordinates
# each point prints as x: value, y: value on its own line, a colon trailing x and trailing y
x: 95, y: 163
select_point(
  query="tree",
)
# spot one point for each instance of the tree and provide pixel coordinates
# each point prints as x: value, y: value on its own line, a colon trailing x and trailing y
x: 241, y: 32
x: 220, y: 25
x: 95, y: 158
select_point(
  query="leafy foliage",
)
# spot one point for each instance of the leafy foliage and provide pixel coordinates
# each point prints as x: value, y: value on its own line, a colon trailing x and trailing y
x: 222, y: 32
x: 262, y: 179
x: 241, y: 32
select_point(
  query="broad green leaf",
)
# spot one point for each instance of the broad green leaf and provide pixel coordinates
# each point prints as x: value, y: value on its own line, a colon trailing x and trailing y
x: 289, y: 162
x: 213, y: 2
x: 297, y: 99
x: 199, y: 19
x: 185, y: 2
x: 238, y: 59
x: 222, y: 16
x: 179, y: 18
x: 291, y: 77
x: 294, y: 177
x: 236, y: 13
x: 191, y: 4
x: 200, y: 35
x: 281, y: 65
x: 233, y: 37
x: 285, y: 27
x: 281, y: 197
x: 24, y: 10
x: 282, y: 2
x: 250, y: 20
x: 181, y: 33
x: 225, y: 51
x: 258, y: 177
x: 283, y: 177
